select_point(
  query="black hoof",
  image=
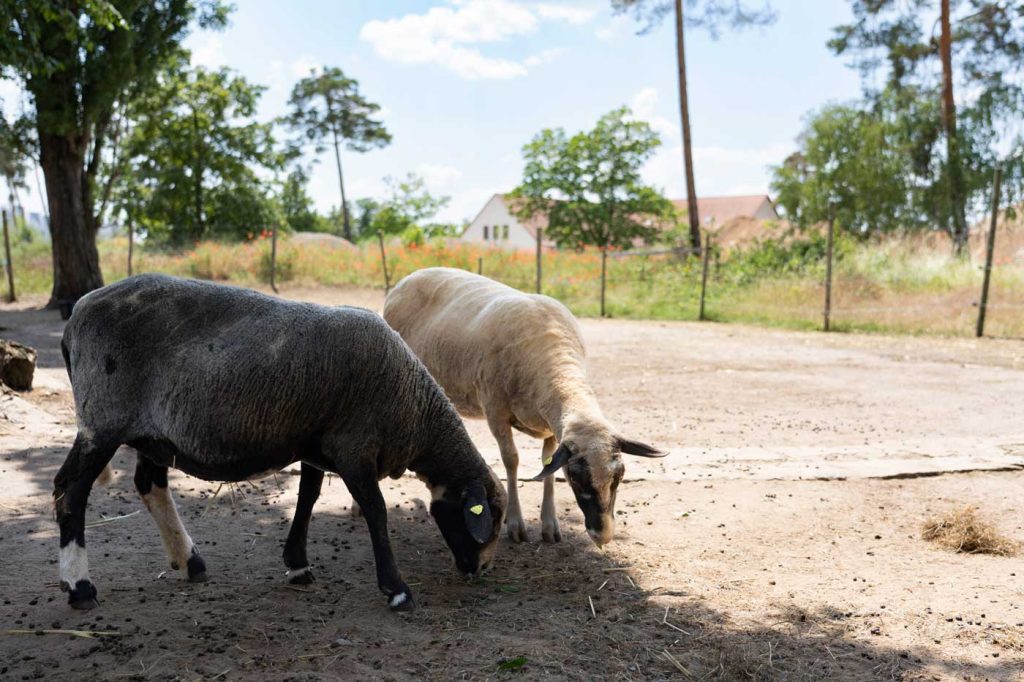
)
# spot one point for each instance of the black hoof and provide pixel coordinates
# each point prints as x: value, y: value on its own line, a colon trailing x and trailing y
x: 83, y: 596
x: 196, y: 568
x: 401, y: 601
x: 301, y: 576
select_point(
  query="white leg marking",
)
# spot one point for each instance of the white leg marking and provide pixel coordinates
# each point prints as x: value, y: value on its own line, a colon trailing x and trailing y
x: 74, y: 564
x: 177, y: 541
x: 296, y: 572
x: 548, y: 515
x: 398, y: 600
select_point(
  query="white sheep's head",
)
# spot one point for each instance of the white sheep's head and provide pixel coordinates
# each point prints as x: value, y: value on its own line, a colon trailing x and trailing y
x: 592, y: 464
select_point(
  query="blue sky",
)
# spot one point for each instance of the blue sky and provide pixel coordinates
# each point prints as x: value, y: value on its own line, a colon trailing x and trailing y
x: 465, y: 83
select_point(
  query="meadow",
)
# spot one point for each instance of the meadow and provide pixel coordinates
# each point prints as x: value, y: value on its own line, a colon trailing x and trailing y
x: 889, y: 286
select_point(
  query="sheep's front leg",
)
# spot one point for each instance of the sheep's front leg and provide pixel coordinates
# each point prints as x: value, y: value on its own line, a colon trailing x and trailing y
x: 361, y: 479
x: 151, y: 482
x: 310, y: 482
x: 71, y: 489
x: 548, y: 516
x: 502, y: 429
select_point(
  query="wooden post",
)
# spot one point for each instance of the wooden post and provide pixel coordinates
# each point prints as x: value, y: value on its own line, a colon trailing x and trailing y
x: 384, y: 263
x: 604, y: 272
x: 828, y: 269
x: 7, y: 254
x: 706, y: 257
x: 273, y: 258
x: 479, y: 265
x: 540, y: 236
x: 990, y: 246
x: 131, y: 241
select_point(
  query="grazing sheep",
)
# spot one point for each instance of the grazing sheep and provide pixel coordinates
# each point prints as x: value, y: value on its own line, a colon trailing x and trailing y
x: 517, y: 360
x: 227, y: 384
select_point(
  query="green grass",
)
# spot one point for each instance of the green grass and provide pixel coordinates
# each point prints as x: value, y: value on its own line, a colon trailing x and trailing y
x: 878, y: 287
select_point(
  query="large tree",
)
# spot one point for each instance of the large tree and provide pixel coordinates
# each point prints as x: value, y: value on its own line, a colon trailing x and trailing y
x: 588, y: 185
x: 978, y: 42
x: 195, y: 150
x: 708, y: 14
x: 78, y: 61
x: 408, y: 205
x: 327, y: 107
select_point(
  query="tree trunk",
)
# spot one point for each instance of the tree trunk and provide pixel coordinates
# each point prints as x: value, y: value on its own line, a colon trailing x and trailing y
x: 197, y: 178
x: 346, y: 223
x: 955, y: 171
x: 684, y: 111
x: 76, y: 262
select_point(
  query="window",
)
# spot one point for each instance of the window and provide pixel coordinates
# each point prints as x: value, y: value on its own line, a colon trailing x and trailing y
x: 505, y: 232
x: 486, y: 237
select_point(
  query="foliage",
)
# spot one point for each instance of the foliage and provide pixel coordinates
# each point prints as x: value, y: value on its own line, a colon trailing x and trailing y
x: 899, y: 39
x: 17, y: 148
x: 297, y: 205
x: 327, y: 106
x: 194, y: 156
x: 408, y: 205
x: 706, y: 14
x: 589, y: 186
x: 80, y: 61
x: 851, y: 163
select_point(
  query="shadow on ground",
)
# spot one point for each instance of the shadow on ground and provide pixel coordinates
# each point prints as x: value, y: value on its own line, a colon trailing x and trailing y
x: 567, y: 611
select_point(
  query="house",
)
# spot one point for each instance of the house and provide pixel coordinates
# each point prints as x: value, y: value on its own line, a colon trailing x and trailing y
x: 496, y: 225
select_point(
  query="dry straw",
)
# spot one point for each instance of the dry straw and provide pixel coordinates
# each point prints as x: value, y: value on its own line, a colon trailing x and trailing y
x: 962, y: 531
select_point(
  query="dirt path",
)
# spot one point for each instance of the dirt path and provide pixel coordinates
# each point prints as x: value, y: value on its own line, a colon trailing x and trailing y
x: 727, y: 557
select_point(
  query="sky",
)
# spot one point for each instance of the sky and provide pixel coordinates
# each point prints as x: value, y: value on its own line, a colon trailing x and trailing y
x: 464, y: 84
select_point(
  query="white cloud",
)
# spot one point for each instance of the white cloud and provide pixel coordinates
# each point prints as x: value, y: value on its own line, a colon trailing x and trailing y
x: 574, y: 14
x: 545, y: 56
x: 438, y: 176
x: 719, y: 170
x: 301, y: 67
x: 645, y: 106
x: 208, y: 51
x: 450, y: 36
x: 616, y: 27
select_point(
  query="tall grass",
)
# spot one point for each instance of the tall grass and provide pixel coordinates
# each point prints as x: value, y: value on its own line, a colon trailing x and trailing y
x: 887, y: 286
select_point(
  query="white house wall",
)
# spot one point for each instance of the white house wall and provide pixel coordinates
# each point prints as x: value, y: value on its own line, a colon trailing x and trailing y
x: 496, y: 214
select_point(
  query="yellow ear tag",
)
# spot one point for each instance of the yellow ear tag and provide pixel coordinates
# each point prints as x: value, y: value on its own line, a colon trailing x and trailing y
x: 477, y: 509
x: 547, y: 461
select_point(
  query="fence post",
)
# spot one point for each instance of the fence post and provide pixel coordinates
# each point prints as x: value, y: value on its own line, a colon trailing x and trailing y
x: 989, y: 249
x: 540, y: 236
x: 604, y: 271
x: 131, y: 240
x: 384, y: 263
x: 479, y: 265
x: 706, y: 257
x: 273, y: 258
x: 7, y: 254
x: 828, y: 269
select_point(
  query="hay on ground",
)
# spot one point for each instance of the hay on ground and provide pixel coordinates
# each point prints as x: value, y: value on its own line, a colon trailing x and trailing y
x: 962, y: 531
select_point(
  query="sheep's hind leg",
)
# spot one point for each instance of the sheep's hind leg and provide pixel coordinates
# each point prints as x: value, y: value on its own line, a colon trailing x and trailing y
x: 151, y: 482
x: 548, y: 515
x: 310, y: 482
x: 71, y: 487
x: 502, y: 431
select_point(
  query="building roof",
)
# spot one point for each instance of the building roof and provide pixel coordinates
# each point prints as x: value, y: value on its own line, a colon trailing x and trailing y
x: 723, y: 209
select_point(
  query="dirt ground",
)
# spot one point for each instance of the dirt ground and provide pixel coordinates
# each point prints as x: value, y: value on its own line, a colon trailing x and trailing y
x: 779, y: 540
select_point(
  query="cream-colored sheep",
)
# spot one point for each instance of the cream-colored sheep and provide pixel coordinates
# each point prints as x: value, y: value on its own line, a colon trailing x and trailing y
x: 517, y: 360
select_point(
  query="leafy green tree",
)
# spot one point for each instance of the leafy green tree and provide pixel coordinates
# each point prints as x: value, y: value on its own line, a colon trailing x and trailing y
x: 78, y: 61
x: 979, y: 41
x: 409, y: 205
x: 327, y: 106
x: 850, y: 165
x: 589, y: 186
x: 367, y: 210
x: 195, y: 150
x: 297, y: 205
x: 17, y: 142
x: 707, y: 14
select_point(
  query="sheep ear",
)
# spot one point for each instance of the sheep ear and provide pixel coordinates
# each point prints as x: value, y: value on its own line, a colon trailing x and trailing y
x: 557, y: 461
x: 635, y: 447
x: 477, y: 514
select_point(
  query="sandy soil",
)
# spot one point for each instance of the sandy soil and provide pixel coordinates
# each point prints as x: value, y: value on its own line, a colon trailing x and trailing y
x: 780, y: 539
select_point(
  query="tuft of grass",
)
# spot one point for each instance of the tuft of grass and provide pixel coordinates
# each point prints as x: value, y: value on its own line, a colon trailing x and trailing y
x: 961, y: 530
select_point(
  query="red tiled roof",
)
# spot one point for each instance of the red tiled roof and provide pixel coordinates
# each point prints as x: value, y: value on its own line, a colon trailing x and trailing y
x: 723, y: 209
